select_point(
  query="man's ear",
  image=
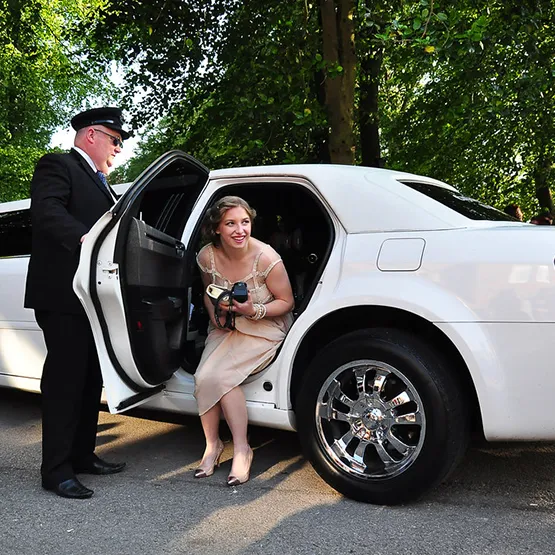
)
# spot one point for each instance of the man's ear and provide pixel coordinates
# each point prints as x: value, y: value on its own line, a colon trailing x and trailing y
x: 90, y: 135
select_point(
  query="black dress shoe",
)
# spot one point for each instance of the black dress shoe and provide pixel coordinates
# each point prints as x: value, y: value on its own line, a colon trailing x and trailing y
x: 98, y: 466
x: 72, y: 489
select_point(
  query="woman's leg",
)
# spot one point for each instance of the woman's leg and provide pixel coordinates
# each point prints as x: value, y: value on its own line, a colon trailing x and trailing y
x: 210, y: 421
x: 235, y: 411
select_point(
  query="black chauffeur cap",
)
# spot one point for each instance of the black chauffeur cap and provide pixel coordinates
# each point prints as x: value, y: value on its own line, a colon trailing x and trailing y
x: 109, y: 117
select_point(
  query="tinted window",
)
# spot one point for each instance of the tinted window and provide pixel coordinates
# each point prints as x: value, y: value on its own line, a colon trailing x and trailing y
x: 15, y: 233
x: 469, y: 207
x: 168, y: 199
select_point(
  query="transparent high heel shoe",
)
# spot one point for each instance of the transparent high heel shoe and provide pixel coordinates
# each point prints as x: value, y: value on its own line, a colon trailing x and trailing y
x: 238, y: 479
x: 204, y: 472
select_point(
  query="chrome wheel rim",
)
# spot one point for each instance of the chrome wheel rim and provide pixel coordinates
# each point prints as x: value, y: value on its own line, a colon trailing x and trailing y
x: 370, y: 419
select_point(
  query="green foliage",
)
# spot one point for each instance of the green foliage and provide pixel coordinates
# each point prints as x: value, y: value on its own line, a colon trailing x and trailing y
x: 151, y: 147
x: 223, y: 96
x: 44, y: 80
x: 16, y: 168
x: 465, y: 89
x: 481, y: 115
x: 164, y: 45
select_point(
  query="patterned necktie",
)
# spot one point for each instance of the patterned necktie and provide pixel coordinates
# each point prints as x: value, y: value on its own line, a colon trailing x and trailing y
x: 102, y: 178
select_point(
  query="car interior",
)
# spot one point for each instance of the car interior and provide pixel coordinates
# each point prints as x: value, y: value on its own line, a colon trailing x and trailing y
x: 161, y: 282
x: 290, y: 219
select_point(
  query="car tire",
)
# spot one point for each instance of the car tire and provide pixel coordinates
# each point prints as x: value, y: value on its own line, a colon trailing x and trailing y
x: 381, y: 416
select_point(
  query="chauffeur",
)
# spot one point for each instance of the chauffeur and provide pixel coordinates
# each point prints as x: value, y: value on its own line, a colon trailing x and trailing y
x: 69, y: 193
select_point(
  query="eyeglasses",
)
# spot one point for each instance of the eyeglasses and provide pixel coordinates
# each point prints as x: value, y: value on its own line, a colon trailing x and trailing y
x: 115, y: 140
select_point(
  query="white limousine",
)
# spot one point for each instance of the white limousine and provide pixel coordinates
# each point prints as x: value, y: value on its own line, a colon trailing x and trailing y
x: 420, y: 314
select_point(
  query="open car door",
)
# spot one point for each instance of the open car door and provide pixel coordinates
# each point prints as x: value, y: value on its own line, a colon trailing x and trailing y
x: 133, y: 279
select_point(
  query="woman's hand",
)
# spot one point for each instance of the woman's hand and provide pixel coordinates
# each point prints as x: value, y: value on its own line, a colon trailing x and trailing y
x: 245, y: 309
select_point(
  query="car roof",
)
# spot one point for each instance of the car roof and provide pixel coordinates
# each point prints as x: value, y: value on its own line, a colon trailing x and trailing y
x: 15, y: 205
x: 318, y: 171
x: 377, y: 199
x: 366, y: 199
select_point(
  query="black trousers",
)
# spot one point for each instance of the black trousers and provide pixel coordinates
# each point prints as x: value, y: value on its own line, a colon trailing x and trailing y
x: 71, y: 386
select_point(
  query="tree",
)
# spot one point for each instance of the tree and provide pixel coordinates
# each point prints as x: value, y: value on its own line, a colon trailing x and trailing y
x: 277, y: 82
x: 481, y: 117
x: 44, y: 78
x: 461, y: 91
x: 338, y: 45
x: 232, y: 104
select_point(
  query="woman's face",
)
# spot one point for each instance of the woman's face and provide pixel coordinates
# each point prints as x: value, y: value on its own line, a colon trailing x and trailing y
x: 235, y: 228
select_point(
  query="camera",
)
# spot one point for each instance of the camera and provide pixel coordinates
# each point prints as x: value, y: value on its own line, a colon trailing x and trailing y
x: 239, y: 292
x: 218, y: 294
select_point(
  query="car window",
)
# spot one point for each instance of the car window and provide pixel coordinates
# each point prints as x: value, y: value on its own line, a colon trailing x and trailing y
x: 467, y: 206
x: 15, y: 233
x: 168, y: 200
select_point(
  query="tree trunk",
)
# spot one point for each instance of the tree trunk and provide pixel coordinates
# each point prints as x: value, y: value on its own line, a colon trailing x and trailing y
x: 322, y: 136
x: 340, y: 59
x: 542, y: 176
x: 370, y: 67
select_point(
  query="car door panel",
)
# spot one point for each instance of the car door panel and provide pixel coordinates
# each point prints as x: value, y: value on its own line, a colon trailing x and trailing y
x: 132, y: 280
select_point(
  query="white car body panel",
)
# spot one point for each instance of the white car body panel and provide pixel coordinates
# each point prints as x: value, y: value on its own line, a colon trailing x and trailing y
x: 513, y: 382
x: 489, y: 287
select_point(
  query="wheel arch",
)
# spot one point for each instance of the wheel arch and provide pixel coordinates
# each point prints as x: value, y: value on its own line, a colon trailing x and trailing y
x: 349, y: 319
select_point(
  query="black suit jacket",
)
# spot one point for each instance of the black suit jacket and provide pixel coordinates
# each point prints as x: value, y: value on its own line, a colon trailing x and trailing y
x: 67, y: 198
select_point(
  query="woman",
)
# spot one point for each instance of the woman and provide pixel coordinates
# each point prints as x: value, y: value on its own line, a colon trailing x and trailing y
x: 260, y: 325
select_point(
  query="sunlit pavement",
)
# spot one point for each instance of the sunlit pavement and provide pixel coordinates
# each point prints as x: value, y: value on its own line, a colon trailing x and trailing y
x: 501, y: 501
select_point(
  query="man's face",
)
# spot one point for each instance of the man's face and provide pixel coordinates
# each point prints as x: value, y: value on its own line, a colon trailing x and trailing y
x: 102, y: 147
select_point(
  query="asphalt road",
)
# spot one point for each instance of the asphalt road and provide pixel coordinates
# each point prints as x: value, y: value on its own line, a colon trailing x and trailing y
x: 500, y: 502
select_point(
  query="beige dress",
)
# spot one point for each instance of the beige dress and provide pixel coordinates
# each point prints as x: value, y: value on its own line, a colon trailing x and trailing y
x: 230, y: 356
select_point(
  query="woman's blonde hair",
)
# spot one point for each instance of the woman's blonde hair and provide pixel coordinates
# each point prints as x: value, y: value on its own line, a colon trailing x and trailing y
x: 214, y: 216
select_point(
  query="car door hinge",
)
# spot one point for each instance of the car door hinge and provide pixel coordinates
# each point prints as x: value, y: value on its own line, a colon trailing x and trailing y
x: 109, y: 269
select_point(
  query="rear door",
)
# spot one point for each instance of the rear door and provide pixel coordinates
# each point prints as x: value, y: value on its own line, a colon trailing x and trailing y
x: 133, y: 280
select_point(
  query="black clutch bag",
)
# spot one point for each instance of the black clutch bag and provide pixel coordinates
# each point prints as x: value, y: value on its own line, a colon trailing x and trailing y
x: 218, y: 294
